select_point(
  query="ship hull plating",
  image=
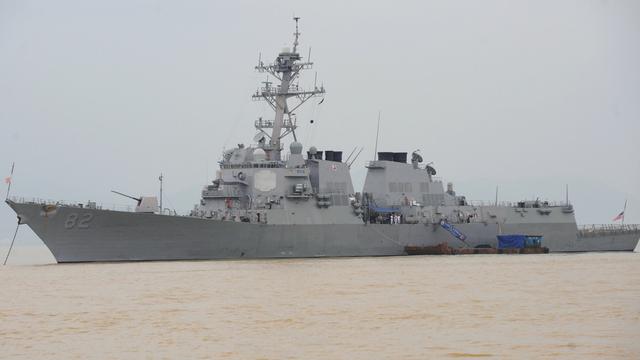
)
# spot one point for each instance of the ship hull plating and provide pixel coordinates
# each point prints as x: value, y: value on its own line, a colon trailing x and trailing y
x: 85, y: 235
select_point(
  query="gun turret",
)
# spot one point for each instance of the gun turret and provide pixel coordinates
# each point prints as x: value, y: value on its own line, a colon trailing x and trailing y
x: 145, y: 204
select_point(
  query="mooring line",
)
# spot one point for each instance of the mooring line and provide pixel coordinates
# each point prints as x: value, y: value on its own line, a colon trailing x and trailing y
x: 11, y: 246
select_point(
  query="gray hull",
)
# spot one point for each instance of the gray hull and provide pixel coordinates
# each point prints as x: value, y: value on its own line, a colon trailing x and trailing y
x: 125, y: 236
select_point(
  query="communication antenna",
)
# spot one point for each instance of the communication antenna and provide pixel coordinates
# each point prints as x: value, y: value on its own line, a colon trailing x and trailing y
x: 351, y: 154
x: 375, y: 154
x: 297, y: 34
x: 355, y: 158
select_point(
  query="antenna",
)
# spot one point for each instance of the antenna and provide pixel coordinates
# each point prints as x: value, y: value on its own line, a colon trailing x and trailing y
x: 375, y: 153
x: 566, y: 192
x: 355, y: 158
x: 496, y: 195
x: 297, y: 34
x: 350, y: 154
x: 309, y: 56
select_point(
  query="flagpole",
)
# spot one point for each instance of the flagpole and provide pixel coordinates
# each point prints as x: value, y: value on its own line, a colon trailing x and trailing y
x: 161, y: 178
x: 10, y: 179
x: 375, y: 152
x: 624, y: 211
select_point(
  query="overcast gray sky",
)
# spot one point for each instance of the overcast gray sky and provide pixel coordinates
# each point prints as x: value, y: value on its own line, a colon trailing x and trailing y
x: 527, y: 95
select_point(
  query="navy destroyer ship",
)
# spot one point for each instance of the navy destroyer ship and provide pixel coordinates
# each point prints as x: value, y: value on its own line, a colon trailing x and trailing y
x: 267, y: 202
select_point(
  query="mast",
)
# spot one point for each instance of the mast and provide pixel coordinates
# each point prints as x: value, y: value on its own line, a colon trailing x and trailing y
x: 286, y: 68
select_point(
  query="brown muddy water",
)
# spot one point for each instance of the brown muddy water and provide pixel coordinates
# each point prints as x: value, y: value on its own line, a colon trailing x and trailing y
x: 503, y: 306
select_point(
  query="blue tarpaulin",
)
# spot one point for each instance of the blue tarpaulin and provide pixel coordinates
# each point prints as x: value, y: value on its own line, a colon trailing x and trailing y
x: 511, y: 241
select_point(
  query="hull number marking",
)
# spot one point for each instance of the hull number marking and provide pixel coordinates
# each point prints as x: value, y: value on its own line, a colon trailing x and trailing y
x: 78, y: 221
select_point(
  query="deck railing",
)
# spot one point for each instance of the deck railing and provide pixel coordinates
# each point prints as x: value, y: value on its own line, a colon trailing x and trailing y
x: 81, y: 205
x: 74, y: 204
x: 515, y: 203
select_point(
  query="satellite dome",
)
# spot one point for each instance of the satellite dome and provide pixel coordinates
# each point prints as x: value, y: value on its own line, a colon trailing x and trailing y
x: 313, y: 150
x: 296, y: 148
x: 259, y: 155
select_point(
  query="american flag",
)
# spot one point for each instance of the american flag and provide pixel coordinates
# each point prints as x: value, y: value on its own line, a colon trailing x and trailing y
x: 619, y: 217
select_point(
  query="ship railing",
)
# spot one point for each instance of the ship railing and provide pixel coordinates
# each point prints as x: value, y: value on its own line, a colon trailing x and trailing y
x: 605, y: 229
x: 488, y: 203
x: 73, y: 204
x: 277, y: 90
x: 515, y: 203
x: 253, y: 165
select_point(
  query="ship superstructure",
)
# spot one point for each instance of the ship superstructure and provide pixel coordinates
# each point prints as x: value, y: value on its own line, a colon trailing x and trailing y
x: 256, y: 185
x: 265, y: 202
